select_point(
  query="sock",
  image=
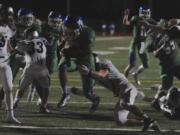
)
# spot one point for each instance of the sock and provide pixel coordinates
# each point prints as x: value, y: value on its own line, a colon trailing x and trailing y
x: 9, y: 103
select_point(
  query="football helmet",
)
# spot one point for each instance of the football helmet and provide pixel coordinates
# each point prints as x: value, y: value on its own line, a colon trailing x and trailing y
x: 31, y: 33
x: 72, y: 26
x: 25, y: 17
x: 80, y: 21
x: 163, y: 23
x: 144, y: 13
x: 173, y: 97
x: 55, y: 19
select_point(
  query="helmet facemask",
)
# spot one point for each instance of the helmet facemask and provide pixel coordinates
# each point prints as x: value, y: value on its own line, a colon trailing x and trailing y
x: 146, y: 14
x: 26, y: 20
x: 71, y: 34
x: 55, y: 23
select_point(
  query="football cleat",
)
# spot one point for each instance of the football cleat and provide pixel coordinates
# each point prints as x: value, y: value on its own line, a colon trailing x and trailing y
x: 63, y: 100
x: 155, y: 126
x: 43, y: 109
x: 94, y: 105
x: 12, y: 120
x: 135, y: 76
x: 150, y: 124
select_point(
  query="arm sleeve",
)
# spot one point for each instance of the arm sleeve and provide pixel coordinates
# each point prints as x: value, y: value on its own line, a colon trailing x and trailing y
x: 133, y: 20
x: 174, y: 32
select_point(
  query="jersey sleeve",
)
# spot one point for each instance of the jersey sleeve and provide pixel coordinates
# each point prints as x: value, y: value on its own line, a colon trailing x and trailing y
x: 106, y: 64
x: 88, y: 37
x: 24, y: 46
x: 133, y: 20
x: 174, y: 32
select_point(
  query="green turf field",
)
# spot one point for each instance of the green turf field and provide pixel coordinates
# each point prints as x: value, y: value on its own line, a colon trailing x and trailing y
x: 75, y: 118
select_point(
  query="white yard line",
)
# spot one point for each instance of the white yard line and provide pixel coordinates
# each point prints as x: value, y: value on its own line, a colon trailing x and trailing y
x: 81, y: 102
x: 77, y: 128
x: 111, y: 38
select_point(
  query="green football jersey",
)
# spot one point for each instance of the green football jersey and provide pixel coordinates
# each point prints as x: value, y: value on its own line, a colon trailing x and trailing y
x: 83, y: 43
x: 52, y: 36
x: 169, y: 56
x: 139, y: 31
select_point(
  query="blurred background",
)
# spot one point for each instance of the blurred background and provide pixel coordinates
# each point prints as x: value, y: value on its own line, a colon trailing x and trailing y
x: 99, y: 14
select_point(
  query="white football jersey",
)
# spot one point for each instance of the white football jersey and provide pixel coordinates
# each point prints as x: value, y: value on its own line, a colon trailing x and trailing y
x: 39, y: 51
x: 6, y: 33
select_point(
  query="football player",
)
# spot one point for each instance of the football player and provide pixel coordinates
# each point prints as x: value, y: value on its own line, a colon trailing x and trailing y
x: 170, y: 104
x: 108, y: 76
x: 52, y: 31
x: 5, y: 71
x: 165, y: 47
x: 138, y: 42
x: 80, y: 39
x: 25, y: 20
x: 35, y: 70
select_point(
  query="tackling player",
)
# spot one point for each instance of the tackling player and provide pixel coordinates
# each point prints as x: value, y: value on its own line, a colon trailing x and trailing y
x: 108, y: 76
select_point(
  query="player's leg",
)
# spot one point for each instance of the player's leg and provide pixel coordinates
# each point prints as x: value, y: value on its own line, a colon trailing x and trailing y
x: 141, y: 68
x: 63, y: 82
x: 15, y: 65
x: 1, y: 96
x: 167, y: 82
x: 88, y: 83
x: 42, y: 85
x: 126, y: 105
x: 31, y: 93
x: 6, y: 76
x: 26, y: 80
x: 51, y: 62
x: 131, y: 60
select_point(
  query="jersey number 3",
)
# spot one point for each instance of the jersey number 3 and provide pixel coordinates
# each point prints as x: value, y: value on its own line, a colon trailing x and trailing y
x: 39, y: 48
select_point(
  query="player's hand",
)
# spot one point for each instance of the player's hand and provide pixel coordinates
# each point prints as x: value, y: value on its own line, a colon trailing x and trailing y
x: 83, y: 69
x: 61, y: 54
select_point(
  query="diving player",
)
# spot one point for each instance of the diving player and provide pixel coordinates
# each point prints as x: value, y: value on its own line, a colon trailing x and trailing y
x: 108, y: 76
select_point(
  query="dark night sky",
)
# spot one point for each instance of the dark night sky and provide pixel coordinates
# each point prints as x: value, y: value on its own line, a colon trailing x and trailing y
x: 99, y: 9
x: 96, y: 12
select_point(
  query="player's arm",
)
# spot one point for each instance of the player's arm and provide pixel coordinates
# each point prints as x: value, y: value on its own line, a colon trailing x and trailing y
x: 94, y: 74
x: 153, y: 27
x: 10, y: 48
x: 126, y: 21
